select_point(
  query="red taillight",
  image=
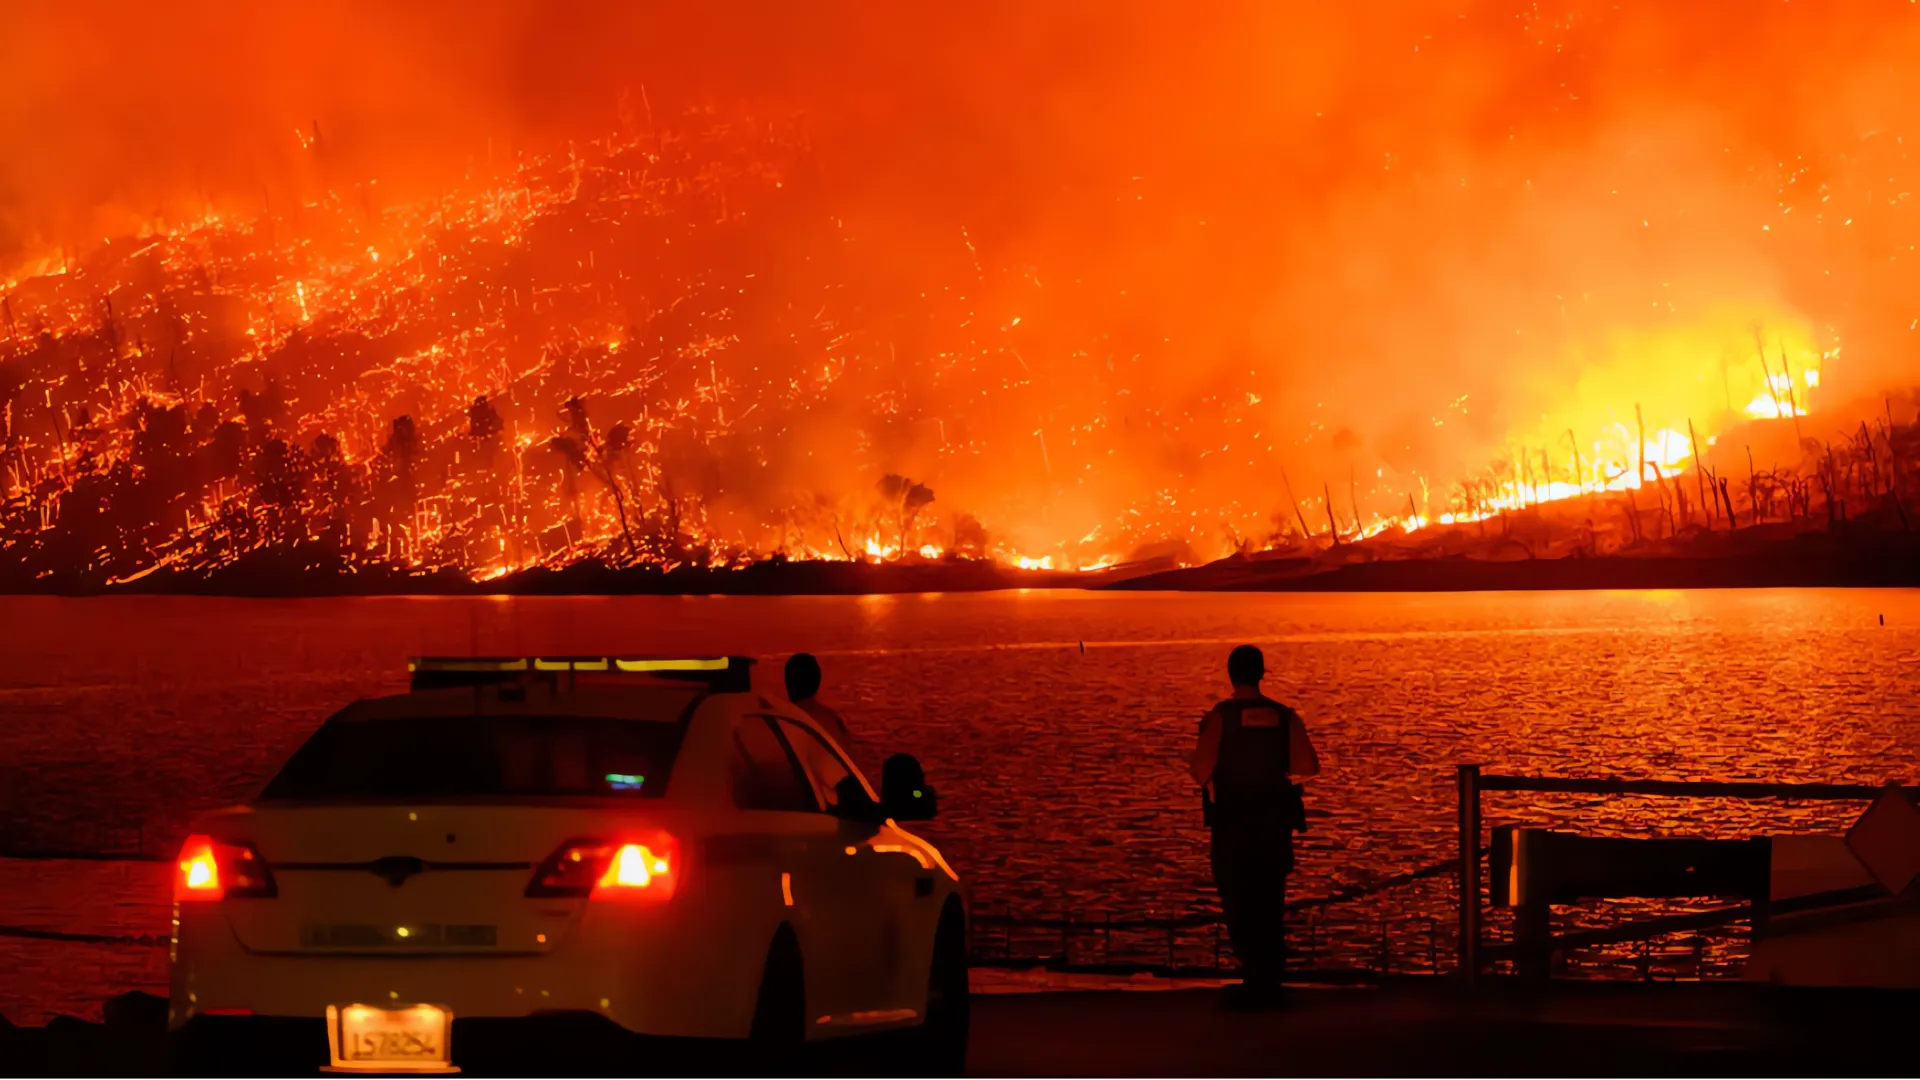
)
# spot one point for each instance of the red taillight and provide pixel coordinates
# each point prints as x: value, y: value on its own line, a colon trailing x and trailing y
x: 216, y: 870
x: 637, y: 866
x: 643, y: 868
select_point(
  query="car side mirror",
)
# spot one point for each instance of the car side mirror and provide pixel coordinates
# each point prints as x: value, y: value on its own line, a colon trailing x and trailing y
x: 905, y: 794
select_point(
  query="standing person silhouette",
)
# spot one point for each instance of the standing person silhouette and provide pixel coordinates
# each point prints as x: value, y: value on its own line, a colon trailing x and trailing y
x: 803, y: 683
x: 1249, y: 749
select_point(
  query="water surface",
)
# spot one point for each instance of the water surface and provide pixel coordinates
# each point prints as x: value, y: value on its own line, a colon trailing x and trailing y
x: 1051, y: 722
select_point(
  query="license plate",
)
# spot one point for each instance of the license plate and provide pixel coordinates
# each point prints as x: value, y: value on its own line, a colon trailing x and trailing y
x: 368, y: 1038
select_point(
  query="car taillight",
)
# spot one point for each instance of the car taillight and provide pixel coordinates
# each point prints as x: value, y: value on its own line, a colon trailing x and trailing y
x: 642, y: 868
x: 637, y: 866
x: 216, y: 870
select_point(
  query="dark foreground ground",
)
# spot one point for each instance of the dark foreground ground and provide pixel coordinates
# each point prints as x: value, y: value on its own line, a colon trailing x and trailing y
x: 1579, y: 1030
x: 1779, y: 555
x: 1683, y: 1030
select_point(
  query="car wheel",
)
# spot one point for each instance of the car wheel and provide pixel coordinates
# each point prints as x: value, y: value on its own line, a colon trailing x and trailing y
x: 780, y: 1010
x: 943, y: 1036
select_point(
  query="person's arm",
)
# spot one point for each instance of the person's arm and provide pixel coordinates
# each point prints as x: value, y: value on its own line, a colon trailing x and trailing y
x: 1206, y: 750
x: 1301, y: 759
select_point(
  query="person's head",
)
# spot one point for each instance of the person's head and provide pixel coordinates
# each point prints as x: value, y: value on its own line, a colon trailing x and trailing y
x: 803, y: 676
x: 1246, y: 666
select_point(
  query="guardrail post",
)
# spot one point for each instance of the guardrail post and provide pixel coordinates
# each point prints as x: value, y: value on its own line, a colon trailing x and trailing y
x: 1469, y: 797
x: 1533, y: 939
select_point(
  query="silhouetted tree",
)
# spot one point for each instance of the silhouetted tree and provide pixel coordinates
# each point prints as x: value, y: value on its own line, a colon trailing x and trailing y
x: 332, y: 489
x: 226, y: 449
x: 403, y: 443
x: 906, y: 498
x: 265, y: 410
x: 969, y: 537
x: 402, y: 449
x: 279, y: 475
x: 587, y: 451
x: 484, y: 427
x: 574, y: 457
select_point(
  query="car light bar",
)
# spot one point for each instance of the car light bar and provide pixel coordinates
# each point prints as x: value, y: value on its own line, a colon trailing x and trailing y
x: 727, y: 673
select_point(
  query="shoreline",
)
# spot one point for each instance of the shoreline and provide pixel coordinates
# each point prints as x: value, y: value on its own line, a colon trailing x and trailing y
x: 583, y: 579
x: 1543, y: 575
x: 1716, y: 561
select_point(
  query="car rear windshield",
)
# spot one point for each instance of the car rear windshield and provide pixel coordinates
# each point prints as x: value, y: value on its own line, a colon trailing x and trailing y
x: 454, y: 756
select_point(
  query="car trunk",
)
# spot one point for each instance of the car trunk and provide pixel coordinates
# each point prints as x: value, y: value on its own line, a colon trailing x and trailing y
x: 409, y: 880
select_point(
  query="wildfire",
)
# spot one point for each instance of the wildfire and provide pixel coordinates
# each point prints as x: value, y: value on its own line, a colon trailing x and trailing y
x: 1675, y: 371
x: 397, y: 390
x: 1779, y: 399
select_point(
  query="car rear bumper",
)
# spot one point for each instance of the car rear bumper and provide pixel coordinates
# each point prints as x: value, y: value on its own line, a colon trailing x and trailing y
x: 560, y: 1044
x: 654, y: 980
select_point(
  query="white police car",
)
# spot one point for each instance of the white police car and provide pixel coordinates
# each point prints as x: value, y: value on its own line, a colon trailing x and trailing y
x: 540, y: 860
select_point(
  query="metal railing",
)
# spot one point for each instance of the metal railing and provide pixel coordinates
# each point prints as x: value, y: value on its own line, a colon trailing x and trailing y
x: 1471, y: 783
x: 1321, y: 948
x: 1311, y: 924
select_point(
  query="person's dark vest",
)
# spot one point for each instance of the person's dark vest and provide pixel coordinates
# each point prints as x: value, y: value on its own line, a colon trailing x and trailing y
x: 1250, y: 786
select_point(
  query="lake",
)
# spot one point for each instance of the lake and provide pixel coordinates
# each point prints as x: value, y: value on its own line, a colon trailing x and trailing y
x: 1051, y: 722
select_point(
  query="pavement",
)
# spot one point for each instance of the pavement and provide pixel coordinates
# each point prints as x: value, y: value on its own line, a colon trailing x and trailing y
x: 1423, y: 1028
x: 1560, y: 1029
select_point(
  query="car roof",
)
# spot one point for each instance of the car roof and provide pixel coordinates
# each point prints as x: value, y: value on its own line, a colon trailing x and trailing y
x: 626, y: 700
x: 722, y: 673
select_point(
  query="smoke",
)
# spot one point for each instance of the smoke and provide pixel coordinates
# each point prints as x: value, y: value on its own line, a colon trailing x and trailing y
x: 1383, y: 242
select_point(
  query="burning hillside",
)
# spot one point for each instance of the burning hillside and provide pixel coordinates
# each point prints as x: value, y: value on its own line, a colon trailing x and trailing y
x: 514, y: 375
x: 784, y: 290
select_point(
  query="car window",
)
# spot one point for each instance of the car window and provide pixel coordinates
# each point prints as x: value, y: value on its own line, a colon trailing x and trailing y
x: 455, y: 756
x: 765, y: 775
x: 824, y: 766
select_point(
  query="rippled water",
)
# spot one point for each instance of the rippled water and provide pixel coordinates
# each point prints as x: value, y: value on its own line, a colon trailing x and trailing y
x: 1051, y: 722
